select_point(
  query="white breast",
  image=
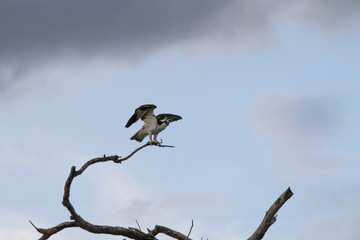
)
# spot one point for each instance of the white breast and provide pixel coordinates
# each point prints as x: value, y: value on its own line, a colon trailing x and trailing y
x: 157, y: 128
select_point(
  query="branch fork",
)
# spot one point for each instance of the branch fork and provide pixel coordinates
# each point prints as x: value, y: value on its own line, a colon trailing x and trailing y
x: 78, y: 221
x: 134, y: 233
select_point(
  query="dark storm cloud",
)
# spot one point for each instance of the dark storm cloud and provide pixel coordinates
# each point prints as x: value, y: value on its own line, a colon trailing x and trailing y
x: 38, y: 28
x: 32, y: 32
x: 30, y: 28
x: 39, y: 31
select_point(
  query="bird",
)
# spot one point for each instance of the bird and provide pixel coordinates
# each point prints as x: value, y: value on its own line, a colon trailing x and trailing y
x: 153, y: 125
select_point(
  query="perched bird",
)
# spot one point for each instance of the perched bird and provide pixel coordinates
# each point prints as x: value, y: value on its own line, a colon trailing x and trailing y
x: 153, y: 124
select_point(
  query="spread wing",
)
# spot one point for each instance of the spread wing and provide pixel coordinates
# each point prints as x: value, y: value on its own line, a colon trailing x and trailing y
x: 168, y: 117
x: 145, y: 112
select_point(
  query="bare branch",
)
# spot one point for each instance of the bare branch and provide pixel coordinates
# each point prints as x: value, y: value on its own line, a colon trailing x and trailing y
x: 167, y: 231
x: 192, y: 225
x: 47, y: 232
x: 134, y: 233
x: 138, y: 224
x: 270, y: 216
x: 78, y: 221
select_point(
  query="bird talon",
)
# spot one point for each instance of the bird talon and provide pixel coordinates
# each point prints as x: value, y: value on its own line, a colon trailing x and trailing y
x: 154, y: 143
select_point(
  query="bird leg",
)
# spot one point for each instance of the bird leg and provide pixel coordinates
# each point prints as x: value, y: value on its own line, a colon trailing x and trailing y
x: 156, y: 141
x: 153, y: 142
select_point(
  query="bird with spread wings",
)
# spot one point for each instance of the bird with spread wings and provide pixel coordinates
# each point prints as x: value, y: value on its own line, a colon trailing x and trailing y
x: 153, y: 125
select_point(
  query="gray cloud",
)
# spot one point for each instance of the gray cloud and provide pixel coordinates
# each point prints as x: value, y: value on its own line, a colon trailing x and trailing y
x: 289, y: 116
x: 329, y: 14
x: 36, y: 31
x: 299, y: 129
x: 41, y: 28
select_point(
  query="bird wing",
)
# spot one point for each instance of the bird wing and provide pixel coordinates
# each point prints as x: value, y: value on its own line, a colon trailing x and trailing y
x: 168, y: 116
x: 145, y: 112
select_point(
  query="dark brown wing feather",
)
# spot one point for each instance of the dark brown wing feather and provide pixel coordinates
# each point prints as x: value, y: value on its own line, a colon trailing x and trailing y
x: 171, y: 117
x: 140, y: 112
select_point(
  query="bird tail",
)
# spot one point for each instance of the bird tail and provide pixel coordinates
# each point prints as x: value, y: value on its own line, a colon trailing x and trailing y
x: 139, y: 136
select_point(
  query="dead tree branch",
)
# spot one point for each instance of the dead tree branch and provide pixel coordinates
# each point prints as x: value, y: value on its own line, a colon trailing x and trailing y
x: 167, y: 231
x: 78, y: 221
x: 46, y: 233
x: 134, y: 233
x: 270, y: 216
x: 192, y: 225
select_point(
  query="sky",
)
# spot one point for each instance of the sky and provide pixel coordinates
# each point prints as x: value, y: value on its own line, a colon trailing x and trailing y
x: 269, y: 93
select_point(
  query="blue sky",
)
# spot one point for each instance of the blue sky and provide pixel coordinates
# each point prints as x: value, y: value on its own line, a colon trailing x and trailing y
x: 269, y: 95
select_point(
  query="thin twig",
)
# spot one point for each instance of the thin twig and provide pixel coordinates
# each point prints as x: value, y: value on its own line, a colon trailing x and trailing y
x: 192, y: 225
x: 138, y: 224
